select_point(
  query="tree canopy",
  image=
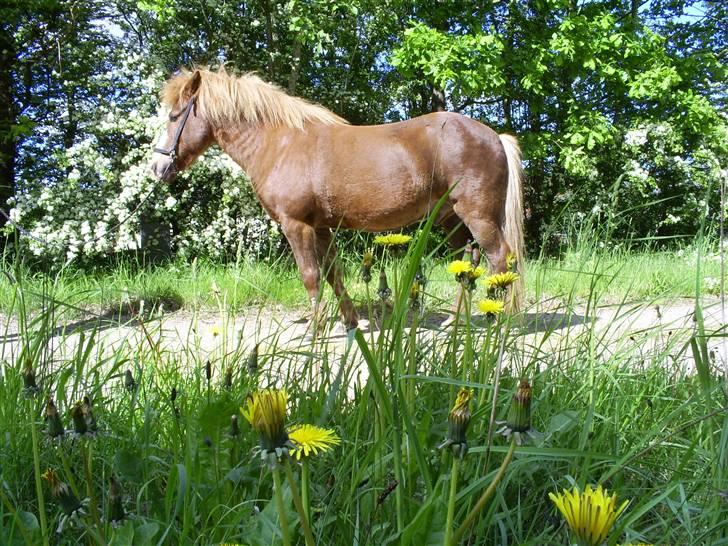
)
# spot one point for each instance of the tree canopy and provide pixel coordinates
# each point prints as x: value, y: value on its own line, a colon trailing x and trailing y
x: 619, y: 105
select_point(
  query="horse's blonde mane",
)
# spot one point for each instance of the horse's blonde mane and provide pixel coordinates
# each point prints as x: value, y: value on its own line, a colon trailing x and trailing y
x: 224, y: 98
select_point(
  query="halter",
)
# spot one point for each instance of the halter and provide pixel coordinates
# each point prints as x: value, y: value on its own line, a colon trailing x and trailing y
x: 172, y: 150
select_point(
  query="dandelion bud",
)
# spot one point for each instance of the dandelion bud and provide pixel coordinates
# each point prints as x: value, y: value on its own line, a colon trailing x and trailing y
x: 234, y: 426
x: 54, y: 425
x: 253, y: 360
x: 79, y: 423
x: 29, y: 384
x: 88, y: 415
x: 366, y: 266
x: 227, y: 382
x: 116, y: 510
x: 383, y: 291
x: 475, y: 258
x: 468, y: 252
x: 458, y: 422
x: 518, y: 423
x: 214, y: 289
x: 129, y: 383
x: 420, y: 276
x: 511, y: 262
x: 68, y: 502
x: 414, y: 295
x: 208, y: 371
x: 519, y: 414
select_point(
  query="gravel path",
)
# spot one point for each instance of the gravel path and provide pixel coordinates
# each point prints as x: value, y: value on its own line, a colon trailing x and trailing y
x: 205, y: 334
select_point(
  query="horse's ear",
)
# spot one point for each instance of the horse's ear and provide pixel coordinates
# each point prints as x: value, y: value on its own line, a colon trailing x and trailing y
x: 191, y: 87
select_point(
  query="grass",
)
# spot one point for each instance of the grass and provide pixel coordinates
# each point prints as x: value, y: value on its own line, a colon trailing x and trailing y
x: 628, y: 414
x: 655, y: 274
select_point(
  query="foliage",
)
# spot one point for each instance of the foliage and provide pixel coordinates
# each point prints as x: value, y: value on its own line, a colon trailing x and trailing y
x: 576, y: 83
x: 633, y: 417
x: 614, y: 104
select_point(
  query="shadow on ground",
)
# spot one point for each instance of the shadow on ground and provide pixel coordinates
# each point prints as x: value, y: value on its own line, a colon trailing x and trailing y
x: 130, y: 314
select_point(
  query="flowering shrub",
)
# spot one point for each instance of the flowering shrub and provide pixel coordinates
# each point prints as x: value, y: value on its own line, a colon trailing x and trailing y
x: 103, y: 189
x: 660, y: 165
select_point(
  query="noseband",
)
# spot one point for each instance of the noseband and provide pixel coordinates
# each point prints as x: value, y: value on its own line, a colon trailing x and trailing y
x: 172, y: 150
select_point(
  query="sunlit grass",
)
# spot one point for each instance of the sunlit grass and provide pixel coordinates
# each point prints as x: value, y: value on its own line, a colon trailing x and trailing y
x: 643, y: 414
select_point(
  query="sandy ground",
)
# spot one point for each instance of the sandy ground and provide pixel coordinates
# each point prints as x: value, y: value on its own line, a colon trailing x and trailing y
x: 205, y: 335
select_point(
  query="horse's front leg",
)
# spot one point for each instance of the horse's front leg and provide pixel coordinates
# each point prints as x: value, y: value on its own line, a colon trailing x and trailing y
x: 302, y: 238
x: 327, y: 257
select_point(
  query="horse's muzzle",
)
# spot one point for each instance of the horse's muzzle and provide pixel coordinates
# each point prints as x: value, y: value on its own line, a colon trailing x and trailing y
x: 164, y: 169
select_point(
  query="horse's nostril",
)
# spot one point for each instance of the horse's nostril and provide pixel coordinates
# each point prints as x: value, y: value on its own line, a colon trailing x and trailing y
x: 154, y: 168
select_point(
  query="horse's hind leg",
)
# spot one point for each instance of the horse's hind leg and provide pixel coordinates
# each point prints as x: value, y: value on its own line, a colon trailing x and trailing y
x: 458, y: 233
x: 488, y: 234
x: 327, y: 257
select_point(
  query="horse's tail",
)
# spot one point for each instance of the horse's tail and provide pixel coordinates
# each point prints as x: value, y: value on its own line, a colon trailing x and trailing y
x: 513, y: 224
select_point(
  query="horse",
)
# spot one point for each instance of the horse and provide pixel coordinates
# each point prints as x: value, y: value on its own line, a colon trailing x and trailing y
x: 313, y: 172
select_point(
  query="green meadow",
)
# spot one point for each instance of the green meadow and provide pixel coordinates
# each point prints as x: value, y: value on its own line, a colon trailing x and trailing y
x: 442, y: 433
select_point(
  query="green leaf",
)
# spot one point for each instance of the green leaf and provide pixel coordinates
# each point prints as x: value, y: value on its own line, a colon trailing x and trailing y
x: 129, y: 466
x: 123, y: 536
x: 563, y: 422
x: 428, y: 526
x: 144, y: 534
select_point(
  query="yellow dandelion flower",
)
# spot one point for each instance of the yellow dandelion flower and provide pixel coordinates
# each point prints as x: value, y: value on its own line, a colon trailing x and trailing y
x: 266, y: 412
x: 393, y: 239
x: 459, y: 267
x: 501, y: 280
x: 216, y: 330
x: 309, y: 439
x: 477, y: 272
x: 590, y: 515
x: 490, y: 306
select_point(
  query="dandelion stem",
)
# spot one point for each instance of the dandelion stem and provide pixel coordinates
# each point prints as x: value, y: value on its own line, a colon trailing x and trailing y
x: 451, y: 500
x: 496, y: 390
x: 304, y: 489
x: 38, y: 485
x: 308, y: 535
x: 86, y: 451
x: 468, y: 353
x: 399, y: 475
x: 280, y: 506
x: 483, y: 500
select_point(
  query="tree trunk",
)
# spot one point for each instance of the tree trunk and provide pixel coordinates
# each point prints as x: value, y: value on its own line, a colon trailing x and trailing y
x: 8, y: 144
x: 438, y: 99
x: 295, y: 67
x: 271, y: 39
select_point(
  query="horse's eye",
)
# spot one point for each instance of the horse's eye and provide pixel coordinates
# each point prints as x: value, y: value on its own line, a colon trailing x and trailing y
x: 173, y: 117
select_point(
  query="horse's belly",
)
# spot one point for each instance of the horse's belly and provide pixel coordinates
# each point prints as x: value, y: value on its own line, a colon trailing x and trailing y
x: 381, y: 208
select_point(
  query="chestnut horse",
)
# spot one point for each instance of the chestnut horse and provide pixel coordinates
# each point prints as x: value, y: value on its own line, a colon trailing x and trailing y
x: 312, y: 172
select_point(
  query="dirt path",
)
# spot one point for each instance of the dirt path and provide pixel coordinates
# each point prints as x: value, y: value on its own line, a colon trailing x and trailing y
x: 206, y: 334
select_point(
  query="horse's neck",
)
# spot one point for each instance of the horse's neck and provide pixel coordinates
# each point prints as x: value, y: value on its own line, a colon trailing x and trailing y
x: 252, y: 147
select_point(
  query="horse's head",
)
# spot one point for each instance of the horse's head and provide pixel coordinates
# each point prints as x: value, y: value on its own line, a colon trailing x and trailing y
x: 188, y: 134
